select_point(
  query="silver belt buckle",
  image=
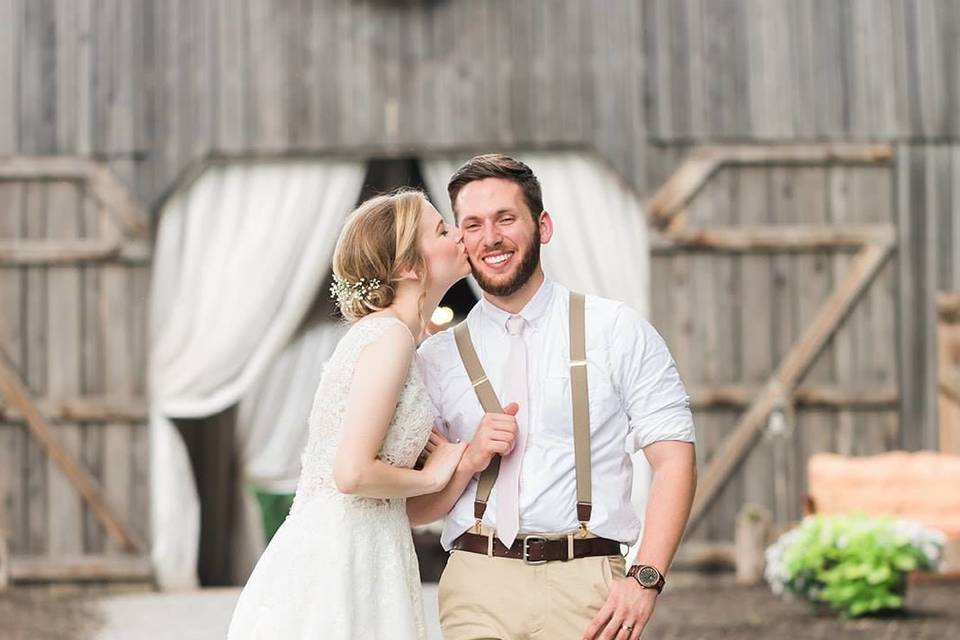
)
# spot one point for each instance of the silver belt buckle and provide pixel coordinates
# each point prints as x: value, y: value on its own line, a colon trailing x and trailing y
x: 526, y: 549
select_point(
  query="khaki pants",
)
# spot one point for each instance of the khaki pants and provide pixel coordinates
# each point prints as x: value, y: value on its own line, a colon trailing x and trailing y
x: 483, y: 597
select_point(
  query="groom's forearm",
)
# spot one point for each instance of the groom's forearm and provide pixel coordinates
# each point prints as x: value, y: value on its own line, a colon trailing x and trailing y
x: 430, y: 508
x: 671, y: 496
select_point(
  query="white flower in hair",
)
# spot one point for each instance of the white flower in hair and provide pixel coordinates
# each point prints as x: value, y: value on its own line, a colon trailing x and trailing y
x: 346, y: 292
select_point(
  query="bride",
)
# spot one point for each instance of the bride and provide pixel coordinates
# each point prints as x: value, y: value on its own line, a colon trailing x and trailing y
x: 342, y: 565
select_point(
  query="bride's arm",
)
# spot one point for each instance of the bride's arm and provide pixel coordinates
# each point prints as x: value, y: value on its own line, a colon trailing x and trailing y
x: 493, y: 436
x: 378, y: 378
x: 430, y: 508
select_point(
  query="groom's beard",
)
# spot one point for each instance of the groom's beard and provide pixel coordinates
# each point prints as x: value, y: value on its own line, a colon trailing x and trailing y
x: 531, y: 258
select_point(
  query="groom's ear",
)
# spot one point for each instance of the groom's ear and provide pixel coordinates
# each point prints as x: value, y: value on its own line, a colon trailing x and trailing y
x: 546, y: 227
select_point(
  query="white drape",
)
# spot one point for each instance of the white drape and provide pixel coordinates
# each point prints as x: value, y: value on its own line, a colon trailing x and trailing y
x: 272, y: 431
x: 600, y: 243
x: 239, y: 258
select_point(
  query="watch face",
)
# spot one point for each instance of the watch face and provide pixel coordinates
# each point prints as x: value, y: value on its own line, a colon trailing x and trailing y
x: 648, y: 576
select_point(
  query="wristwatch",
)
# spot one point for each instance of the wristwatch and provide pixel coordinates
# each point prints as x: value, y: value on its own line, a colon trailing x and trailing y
x: 647, y: 577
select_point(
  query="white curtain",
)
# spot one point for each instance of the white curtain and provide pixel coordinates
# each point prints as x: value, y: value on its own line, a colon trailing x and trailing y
x: 239, y: 258
x: 272, y: 431
x: 600, y: 243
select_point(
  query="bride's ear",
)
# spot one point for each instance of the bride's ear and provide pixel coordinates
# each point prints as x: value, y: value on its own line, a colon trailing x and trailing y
x: 408, y: 273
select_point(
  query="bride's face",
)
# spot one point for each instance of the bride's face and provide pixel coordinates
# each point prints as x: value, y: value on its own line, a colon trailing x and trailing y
x: 442, y: 247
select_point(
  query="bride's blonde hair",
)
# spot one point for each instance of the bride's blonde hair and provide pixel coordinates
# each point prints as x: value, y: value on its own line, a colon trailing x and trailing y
x: 380, y: 240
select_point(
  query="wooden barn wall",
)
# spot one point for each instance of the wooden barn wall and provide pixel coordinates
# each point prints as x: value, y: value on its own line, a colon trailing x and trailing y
x: 153, y: 85
x: 928, y: 220
x: 811, y: 69
x: 730, y: 319
x: 76, y: 334
x: 150, y: 86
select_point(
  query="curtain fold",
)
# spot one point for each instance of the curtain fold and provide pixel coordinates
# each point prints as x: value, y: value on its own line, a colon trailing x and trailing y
x: 600, y: 243
x: 240, y: 257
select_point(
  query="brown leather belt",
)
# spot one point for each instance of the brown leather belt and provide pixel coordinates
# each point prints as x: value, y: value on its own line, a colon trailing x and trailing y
x: 537, y: 549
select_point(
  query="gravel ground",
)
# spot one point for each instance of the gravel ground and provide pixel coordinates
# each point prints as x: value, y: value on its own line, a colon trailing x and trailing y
x: 716, y: 608
x: 32, y: 614
x: 692, y: 608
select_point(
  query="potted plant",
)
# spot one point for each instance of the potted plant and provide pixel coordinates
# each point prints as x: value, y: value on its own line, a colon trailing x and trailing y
x: 854, y: 564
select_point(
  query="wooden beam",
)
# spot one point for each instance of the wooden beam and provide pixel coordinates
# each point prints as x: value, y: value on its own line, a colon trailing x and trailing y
x: 64, y: 252
x: 787, y: 376
x: 18, y: 395
x: 825, y: 396
x: 87, y: 409
x: 703, y: 162
x: 80, y: 568
x: 682, y: 186
x: 104, y: 185
x: 45, y: 167
x: 107, y: 188
x: 793, y: 154
x: 772, y: 238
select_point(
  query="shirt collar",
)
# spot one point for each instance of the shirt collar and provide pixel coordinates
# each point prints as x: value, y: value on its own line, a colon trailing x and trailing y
x: 533, y: 312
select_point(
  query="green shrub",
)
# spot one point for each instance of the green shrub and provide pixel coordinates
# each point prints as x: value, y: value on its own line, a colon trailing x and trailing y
x: 856, y: 564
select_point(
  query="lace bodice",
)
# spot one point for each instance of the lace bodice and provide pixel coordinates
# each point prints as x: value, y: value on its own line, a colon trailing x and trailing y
x: 406, y: 436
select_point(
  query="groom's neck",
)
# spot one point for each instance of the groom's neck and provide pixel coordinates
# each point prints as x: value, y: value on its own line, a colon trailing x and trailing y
x: 515, y: 302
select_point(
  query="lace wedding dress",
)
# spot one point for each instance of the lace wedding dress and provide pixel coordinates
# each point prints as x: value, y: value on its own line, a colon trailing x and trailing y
x: 342, y: 566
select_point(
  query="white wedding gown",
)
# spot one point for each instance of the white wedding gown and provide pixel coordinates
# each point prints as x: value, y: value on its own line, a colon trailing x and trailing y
x: 342, y: 566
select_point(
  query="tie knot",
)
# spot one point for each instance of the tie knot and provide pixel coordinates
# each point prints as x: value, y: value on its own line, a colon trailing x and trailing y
x: 515, y: 325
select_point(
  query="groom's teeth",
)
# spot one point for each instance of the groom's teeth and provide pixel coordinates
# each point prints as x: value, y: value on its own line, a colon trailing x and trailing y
x: 497, y: 259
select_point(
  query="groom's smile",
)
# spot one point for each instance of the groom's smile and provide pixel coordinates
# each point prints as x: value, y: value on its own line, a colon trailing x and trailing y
x: 499, y: 260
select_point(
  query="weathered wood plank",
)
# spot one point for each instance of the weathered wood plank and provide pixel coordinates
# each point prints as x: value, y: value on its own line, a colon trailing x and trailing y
x: 63, y: 366
x: 757, y: 358
x: 80, y: 568
x: 17, y: 393
x: 83, y: 409
x: 33, y: 366
x: 37, y: 115
x: 793, y: 365
x: 10, y: 35
x: 60, y: 253
x: 779, y: 237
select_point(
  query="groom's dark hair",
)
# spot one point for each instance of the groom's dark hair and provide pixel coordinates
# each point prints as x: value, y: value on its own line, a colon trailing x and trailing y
x: 497, y: 165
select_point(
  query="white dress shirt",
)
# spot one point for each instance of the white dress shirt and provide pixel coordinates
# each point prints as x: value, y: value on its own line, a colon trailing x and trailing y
x: 636, y: 398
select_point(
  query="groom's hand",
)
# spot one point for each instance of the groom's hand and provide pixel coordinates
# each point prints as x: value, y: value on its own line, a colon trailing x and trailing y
x: 495, y: 435
x: 624, y: 615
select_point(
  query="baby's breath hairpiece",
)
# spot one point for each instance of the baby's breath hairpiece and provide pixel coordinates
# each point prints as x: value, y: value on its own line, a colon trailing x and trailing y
x: 346, y: 292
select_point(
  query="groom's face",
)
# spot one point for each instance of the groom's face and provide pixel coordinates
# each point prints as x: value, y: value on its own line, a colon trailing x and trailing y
x: 501, y: 236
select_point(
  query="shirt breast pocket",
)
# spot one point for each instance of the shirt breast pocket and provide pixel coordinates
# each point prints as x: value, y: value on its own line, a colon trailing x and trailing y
x: 557, y: 409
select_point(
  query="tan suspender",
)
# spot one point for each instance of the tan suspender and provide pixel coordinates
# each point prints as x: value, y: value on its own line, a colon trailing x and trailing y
x: 579, y: 397
x: 489, y: 402
x: 581, y: 408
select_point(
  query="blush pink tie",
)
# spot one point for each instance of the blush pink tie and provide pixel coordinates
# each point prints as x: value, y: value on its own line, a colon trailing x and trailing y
x: 514, y: 390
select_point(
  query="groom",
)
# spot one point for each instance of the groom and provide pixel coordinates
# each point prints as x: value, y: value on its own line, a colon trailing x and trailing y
x: 553, y: 391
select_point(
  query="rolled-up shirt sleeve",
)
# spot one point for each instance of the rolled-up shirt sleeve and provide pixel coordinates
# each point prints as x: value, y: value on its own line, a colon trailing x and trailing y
x: 653, y: 396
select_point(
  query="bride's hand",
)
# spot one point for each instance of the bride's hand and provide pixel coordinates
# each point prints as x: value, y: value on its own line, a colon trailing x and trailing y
x: 443, y: 457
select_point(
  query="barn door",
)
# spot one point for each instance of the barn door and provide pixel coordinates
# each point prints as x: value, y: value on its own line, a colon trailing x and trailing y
x: 73, y: 437
x: 773, y: 288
